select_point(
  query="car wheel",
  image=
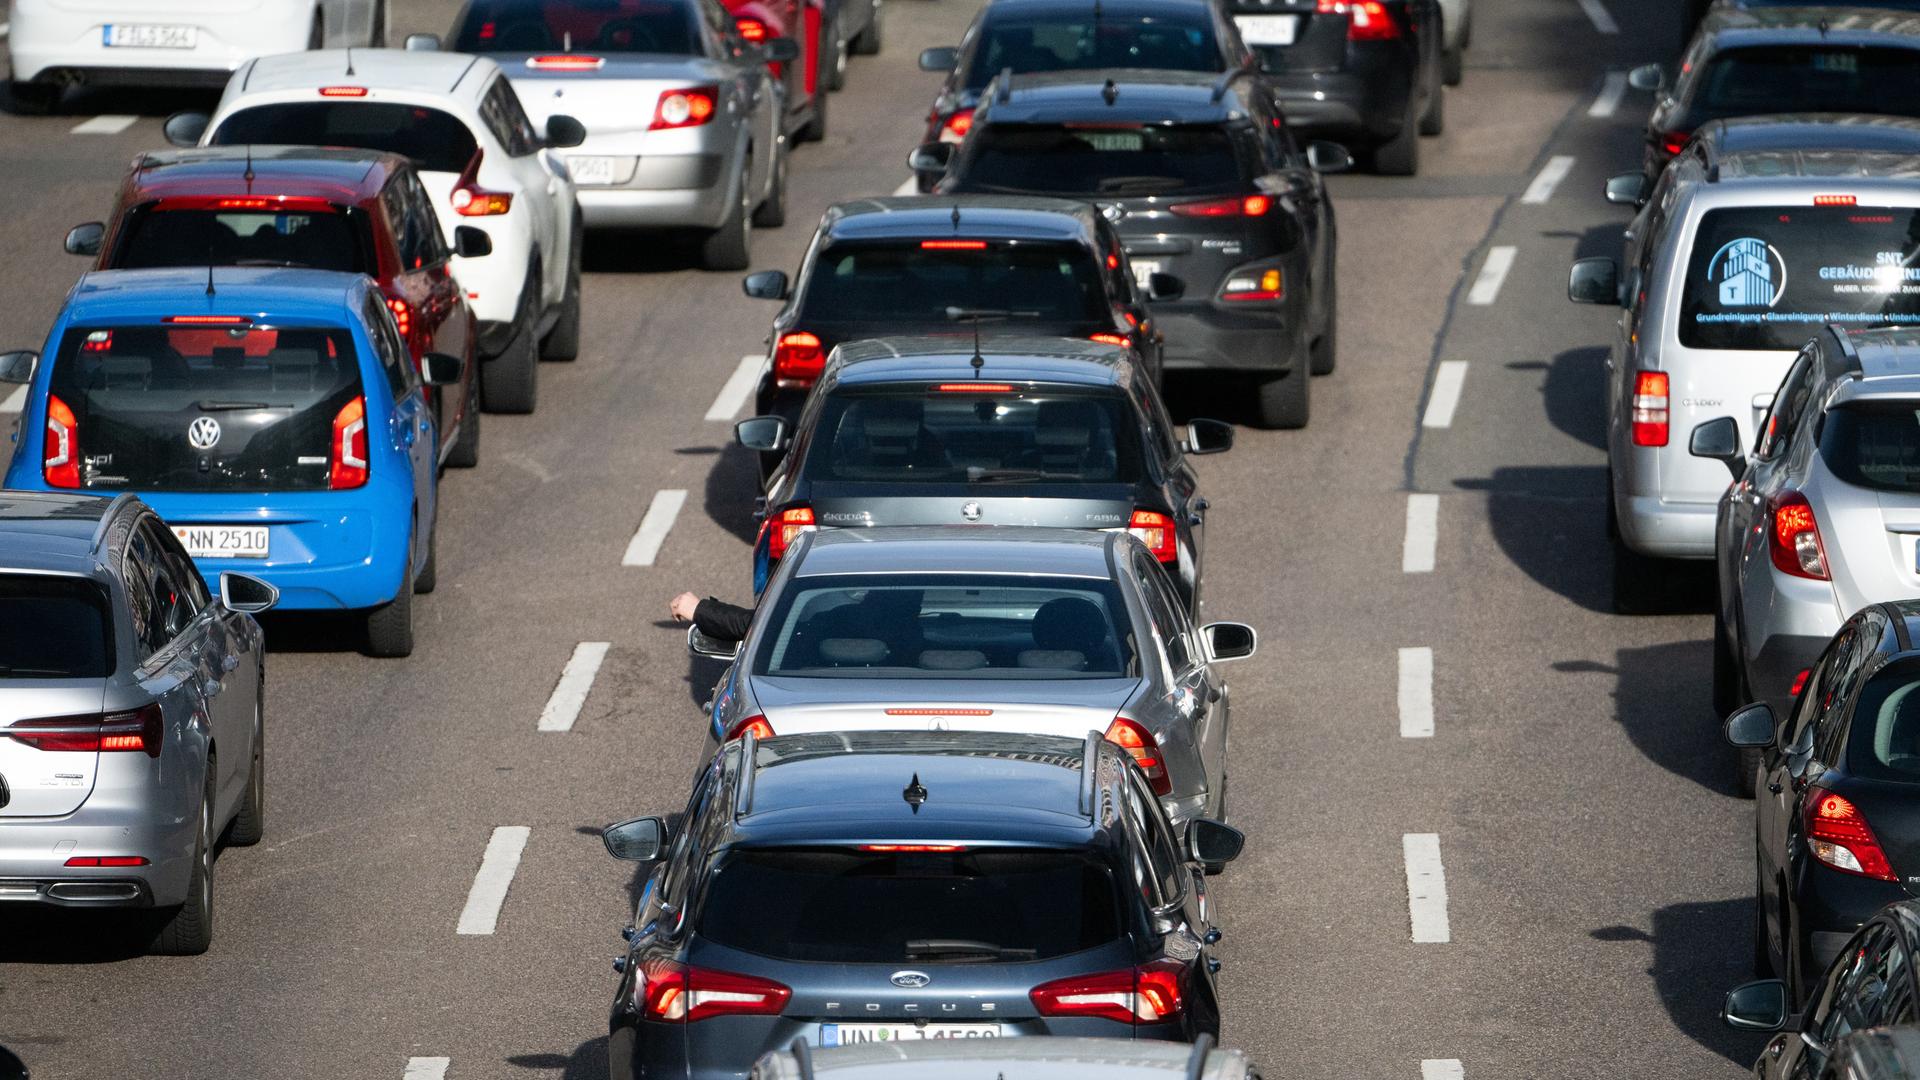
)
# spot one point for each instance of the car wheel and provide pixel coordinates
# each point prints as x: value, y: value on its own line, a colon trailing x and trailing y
x: 34, y: 99
x: 378, y: 38
x: 1746, y: 778
x: 729, y: 247
x: 1322, y: 355
x: 250, y: 824
x: 867, y: 42
x: 509, y: 383
x: 188, y: 930
x: 816, y: 129
x: 429, y: 576
x: 317, y: 37
x: 390, y: 626
x: 1400, y: 155
x: 1283, y: 401
x: 621, y: 1046
x: 833, y: 57
x: 466, y: 445
x: 1434, y: 120
x: 1453, y: 66
x: 772, y: 211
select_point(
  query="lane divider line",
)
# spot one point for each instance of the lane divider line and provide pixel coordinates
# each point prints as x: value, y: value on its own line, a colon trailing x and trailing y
x: 645, y: 546
x: 576, y: 681
x: 1601, y: 18
x: 489, y: 892
x: 426, y: 1068
x: 1426, y: 889
x: 1493, y: 274
x: 734, y: 392
x: 909, y: 186
x: 1555, y: 170
x: 1448, y: 380
x: 1442, y: 1069
x: 1607, y: 102
x: 14, y: 402
x: 105, y: 125
x: 1423, y: 533
x: 1416, y: 693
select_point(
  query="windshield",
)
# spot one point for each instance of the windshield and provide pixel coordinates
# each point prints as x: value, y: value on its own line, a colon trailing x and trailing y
x: 942, y: 435
x: 435, y: 141
x: 1177, y: 41
x: 53, y: 628
x: 1768, y: 277
x: 563, y: 26
x: 853, y: 907
x: 1104, y: 159
x: 1806, y: 78
x: 913, y: 283
x: 162, y: 408
x: 1874, y: 445
x: 320, y: 239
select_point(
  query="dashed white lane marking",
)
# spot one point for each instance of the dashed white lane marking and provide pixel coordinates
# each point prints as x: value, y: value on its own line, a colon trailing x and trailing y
x: 1448, y: 380
x: 1426, y: 888
x: 909, y: 186
x: 1416, y: 693
x: 105, y: 125
x: 1423, y: 531
x: 426, y: 1068
x: 1442, y: 1069
x: 654, y: 527
x: 502, y: 858
x: 1493, y: 274
x: 733, y: 395
x: 1607, y: 102
x: 14, y: 402
x: 1602, y: 18
x: 1555, y: 170
x: 576, y: 680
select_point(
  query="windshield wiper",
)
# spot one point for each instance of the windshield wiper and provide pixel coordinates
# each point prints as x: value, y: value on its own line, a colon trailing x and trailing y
x: 962, y: 948
x: 1137, y: 185
x: 211, y: 405
x: 28, y: 672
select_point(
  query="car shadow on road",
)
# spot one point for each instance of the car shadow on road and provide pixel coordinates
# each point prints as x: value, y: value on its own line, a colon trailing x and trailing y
x: 1662, y: 699
x: 314, y: 631
x: 733, y: 486
x: 587, y: 1062
x: 1574, y: 393
x: 631, y: 251
x: 54, y: 936
x: 117, y: 101
x: 1699, y: 953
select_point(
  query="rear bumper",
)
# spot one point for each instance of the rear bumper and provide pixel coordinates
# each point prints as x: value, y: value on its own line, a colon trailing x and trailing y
x: 1779, y: 661
x: 1654, y: 526
x: 675, y: 191
x: 1202, y: 336
x: 34, y: 852
x: 1365, y: 103
x: 321, y: 558
x: 47, y: 45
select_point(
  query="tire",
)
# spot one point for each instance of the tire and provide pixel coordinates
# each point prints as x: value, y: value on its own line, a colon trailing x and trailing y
x: 833, y: 57
x: 1746, y: 778
x: 188, y: 929
x: 816, y: 129
x: 1323, y: 354
x: 1434, y: 120
x: 730, y: 247
x: 317, y: 37
x: 390, y: 626
x: 34, y: 99
x: 867, y: 42
x: 1453, y: 65
x: 250, y: 824
x: 466, y: 445
x: 1762, y: 951
x: 378, y: 39
x: 1399, y: 156
x: 1284, y: 401
x: 772, y: 211
x: 509, y: 383
x: 428, y: 578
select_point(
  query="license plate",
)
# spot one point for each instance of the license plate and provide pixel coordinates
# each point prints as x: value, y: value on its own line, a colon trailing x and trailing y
x: 223, y: 541
x: 594, y: 170
x: 149, y: 36
x: 1267, y: 29
x: 1144, y: 269
x: 852, y: 1034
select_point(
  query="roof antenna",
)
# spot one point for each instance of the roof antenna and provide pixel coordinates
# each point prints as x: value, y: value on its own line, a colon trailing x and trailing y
x: 248, y: 175
x: 915, y: 793
x: 566, y: 41
x: 1109, y: 92
x: 349, y: 61
x: 1823, y: 28
x: 956, y: 217
x: 978, y: 361
x: 210, y: 277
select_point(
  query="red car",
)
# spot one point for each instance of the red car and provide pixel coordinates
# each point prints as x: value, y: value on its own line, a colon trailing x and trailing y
x: 804, y: 21
x: 350, y: 210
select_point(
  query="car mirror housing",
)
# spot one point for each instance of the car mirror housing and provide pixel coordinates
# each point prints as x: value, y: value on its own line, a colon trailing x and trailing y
x: 1627, y: 189
x: 423, y: 43
x: 1756, y: 1006
x: 186, y: 129
x: 1208, y: 436
x: 442, y: 369
x: 940, y: 59
x: 1229, y: 641
x: 471, y: 242
x: 700, y: 644
x: 564, y: 132
x: 1751, y: 727
x: 1212, y: 842
x: 85, y: 239
x: 17, y: 366
x: 780, y: 50
x: 1719, y: 439
x: 765, y: 285
x: 639, y: 840
x: 11, y: 1067
x: 1649, y: 77
x: 1328, y: 158
x: 767, y: 434
x: 933, y: 157
x: 246, y: 593
x: 1594, y: 281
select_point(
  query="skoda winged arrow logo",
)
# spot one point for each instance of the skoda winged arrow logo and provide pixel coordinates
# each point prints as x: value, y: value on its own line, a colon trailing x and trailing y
x: 204, y: 433
x: 910, y: 980
x: 970, y: 511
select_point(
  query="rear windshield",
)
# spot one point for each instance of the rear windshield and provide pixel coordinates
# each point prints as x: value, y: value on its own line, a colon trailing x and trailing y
x: 894, y: 626
x: 1807, y: 78
x: 908, y: 283
x: 320, y: 239
x: 1768, y: 277
x: 434, y: 140
x: 159, y: 408
x: 1105, y: 159
x: 53, y: 628
x: 841, y: 906
x: 597, y: 26
x: 940, y: 435
x: 1884, y: 739
x: 1874, y: 445
x: 1174, y: 41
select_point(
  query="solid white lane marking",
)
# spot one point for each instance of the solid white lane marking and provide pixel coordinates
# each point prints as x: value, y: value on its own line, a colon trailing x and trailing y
x: 14, y: 402
x: 1607, y: 102
x: 909, y: 186
x: 1555, y: 170
x: 1416, y: 693
x: 1602, y: 18
x: 1423, y: 532
x: 1493, y: 274
x: 733, y: 395
x: 1442, y: 1069
x: 482, y: 912
x: 654, y: 527
x: 1447, y: 383
x: 105, y: 125
x: 576, y: 680
x: 1426, y: 888
x: 426, y: 1068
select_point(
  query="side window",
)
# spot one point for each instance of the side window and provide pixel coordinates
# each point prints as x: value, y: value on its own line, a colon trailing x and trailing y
x: 1789, y: 401
x: 1168, y: 624
x: 193, y: 589
x: 1861, y: 991
x: 1868, y: 628
x: 500, y: 110
x: 139, y: 569
x: 433, y: 246
x: 1163, y: 856
x: 157, y: 580
x: 719, y: 25
x: 394, y: 358
x: 680, y: 855
x: 1815, y: 695
x: 406, y: 231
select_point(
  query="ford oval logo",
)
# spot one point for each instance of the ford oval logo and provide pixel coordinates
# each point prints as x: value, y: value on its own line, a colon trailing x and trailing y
x: 910, y: 980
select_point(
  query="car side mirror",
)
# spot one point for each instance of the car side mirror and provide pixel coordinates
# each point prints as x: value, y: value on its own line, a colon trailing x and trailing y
x: 85, y: 239
x: 1208, y: 436
x: 1627, y: 189
x: 1165, y: 287
x: 765, y: 285
x: 1756, y: 1006
x: 1751, y: 727
x: 246, y: 593
x: 442, y: 369
x: 700, y: 644
x: 639, y: 840
x: 1213, y: 842
x: 564, y: 131
x: 1229, y: 641
x: 186, y: 129
x: 933, y: 157
x: 1719, y: 439
x: 767, y: 434
x: 1594, y: 281
x: 471, y: 242
x: 1649, y: 77
x: 780, y: 50
x: 17, y: 366
x: 941, y: 58
x: 423, y: 43
x: 11, y: 1067
x: 1328, y: 158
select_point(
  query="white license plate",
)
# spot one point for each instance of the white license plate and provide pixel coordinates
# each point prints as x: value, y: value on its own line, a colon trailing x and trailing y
x: 223, y: 541
x: 594, y: 170
x: 1267, y: 29
x: 1144, y: 269
x: 149, y: 36
x: 852, y: 1034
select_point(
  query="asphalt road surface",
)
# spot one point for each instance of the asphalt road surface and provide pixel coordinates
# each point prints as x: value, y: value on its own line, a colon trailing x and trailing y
x: 1555, y: 882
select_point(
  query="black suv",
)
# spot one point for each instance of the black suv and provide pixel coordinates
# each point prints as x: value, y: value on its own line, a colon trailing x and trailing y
x: 874, y: 886
x: 1204, y: 183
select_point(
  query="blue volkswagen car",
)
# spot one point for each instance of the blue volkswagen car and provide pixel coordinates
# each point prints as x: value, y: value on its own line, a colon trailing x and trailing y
x: 271, y: 416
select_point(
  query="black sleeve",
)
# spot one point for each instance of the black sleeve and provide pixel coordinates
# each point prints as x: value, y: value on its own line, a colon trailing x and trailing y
x: 721, y: 620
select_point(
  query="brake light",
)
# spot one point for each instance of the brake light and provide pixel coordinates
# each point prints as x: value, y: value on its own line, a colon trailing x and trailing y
x: 1838, y: 835
x: 1156, y: 531
x: 1367, y: 20
x: 566, y: 63
x: 60, y: 459
x: 107, y: 860
x: 1238, y: 206
x: 954, y: 129
x: 473, y: 202
x: 1673, y: 141
x: 1794, y: 541
x: 1836, y: 200
x: 755, y: 726
x: 1110, y: 339
x: 1269, y: 285
x: 208, y: 320
x: 939, y: 712
x: 1145, y: 751
x: 684, y: 108
x: 347, y: 453
x: 953, y: 245
x: 974, y: 388
x: 140, y: 730
x: 914, y: 848
x: 402, y: 315
x: 343, y: 91
x: 678, y: 994
x: 1800, y: 681
x: 751, y: 29
x: 1649, y: 417
x: 1150, y: 993
x: 798, y: 360
x: 786, y: 527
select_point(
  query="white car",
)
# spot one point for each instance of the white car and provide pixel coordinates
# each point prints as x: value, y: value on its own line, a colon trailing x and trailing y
x: 55, y: 43
x: 481, y: 160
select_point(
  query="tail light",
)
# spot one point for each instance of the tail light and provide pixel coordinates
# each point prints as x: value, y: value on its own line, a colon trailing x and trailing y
x: 402, y: 316
x: 784, y: 528
x: 686, y: 108
x: 470, y: 200
x: 107, y: 860
x: 1800, y: 681
x: 1156, y: 531
x: 913, y: 849
x: 1268, y: 285
x: 751, y: 29
x: 1672, y: 142
x: 1139, y: 745
x: 343, y: 91
x: 1148, y: 994
x: 1110, y: 339
x: 972, y: 388
x: 1836, y: 200
x: 755, y: 725
x: 1649, y: 416
x: 955, y: 127
x: 1367, y: 20
x: 60, y: 460
x: 141, y: 730
x: 566, y: 63
x: 1794, y: 541
x: 680, y: 994
x: 1838, y: 835
x: 798, y: 360
x: 347, y: 452
x: 1238, y: 206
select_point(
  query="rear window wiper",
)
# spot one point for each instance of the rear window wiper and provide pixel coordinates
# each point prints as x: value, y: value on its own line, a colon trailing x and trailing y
x: 978, y: 475
x: 1138, y: 185
x: 211, y: 405
x: 962, y: 948
x: 29, y: 673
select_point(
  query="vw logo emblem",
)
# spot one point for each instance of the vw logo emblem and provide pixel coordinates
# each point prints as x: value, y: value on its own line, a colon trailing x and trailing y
x: 204, y: 433
x: 910, y: 980
x: 970, y: 511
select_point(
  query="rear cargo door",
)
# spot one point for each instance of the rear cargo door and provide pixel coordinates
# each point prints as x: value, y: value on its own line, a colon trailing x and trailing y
x: 1293, y: 35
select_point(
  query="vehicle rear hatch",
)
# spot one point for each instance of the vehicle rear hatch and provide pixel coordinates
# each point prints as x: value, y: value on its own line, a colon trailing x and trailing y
x: 610, y: 93
x: 55, y: 657
x: 1294, y: 35
x: 1865, y: 490
x: 245, y: 230
x: 1062, y: 505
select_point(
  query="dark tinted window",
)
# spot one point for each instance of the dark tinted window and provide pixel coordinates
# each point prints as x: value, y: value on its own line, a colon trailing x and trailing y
x: 319, y: 239
x: 589, y: 26
x: 53, y: 628
x: 902, y: 283
x: 500, y: 110
x: 920, y: 434
x: 1807, y: 78
x: 1768, y: 277
x: 1885, y: 737
x: 843, y: 906
x: 435, y: 141
x: 271, y: 397
x: 1874, y: 445
x: 1103, y: 159
x: 1174, y: 41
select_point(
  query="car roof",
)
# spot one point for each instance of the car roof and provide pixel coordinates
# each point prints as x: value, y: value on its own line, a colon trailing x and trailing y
x: 1117, y: 8
x: 980, y: 549
x: 293, y: 295
x: 1054, y: 1057
x: 1810, y: 133
x: 1139, y: 96
x: 1735, y: 28
x: 435, y: 73
x: 53, y: 531
x: 337, y: 175
x: 990, y: 217
x: 949, y: 358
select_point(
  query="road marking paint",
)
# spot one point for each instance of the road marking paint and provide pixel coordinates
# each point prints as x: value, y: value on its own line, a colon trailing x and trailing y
x: 909, y: 186
x: 1423, y: 531
x: 733, y: 395
x: 1426, y: 888
x: 1601, y: 17
x: 1493, y: 274
x: 105, y: 125
x: 4, y: 27
x: 654, y: 527
x: 576, y: 679
x: 1607, y: 102
x: 502, y: 858
x: 426, y: 1068
x: 1445, y: 398
x: 14, y: 402
x: 1416, y: 693
x: 1442, y: 1069
x: 1541, y: 189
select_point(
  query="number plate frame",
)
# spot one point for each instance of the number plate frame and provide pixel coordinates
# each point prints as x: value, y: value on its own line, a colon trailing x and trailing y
x: 225, y: 541
x: 1268, y: 29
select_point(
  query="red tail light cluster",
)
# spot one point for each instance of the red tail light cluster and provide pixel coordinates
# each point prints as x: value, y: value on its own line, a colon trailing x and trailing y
x: 347, y: 451
x: 798, y: 360
x: 107, y: 860
x: 1673, y: 141
x: 1838, y: 835
x: 1238, y: 206
x: 1649, y: 416
x: 685, y: 108
x: 60, y: 460
x: 1156, y: 531
x: 140, y: 730
x: 402, y: 316
x: 785, y: 527
x: 470, y: 200
x: 955, y: 127
x: 1145, y: 751
x: 681, y: 994
x: 1110, y: 339
x: 1794, y: 540
x: 1367, y: 20
x: 755, y: 725
x: 751, y: 29
x: 1267, y: 285
x: 1148, y: 994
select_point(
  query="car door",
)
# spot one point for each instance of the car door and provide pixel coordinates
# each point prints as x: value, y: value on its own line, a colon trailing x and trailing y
x: 439, y: 309
x: 542, y: 178
x: 1868, y: 987
x: 171, y: 643
x: 412, y: 432
x: 1175, y: 889
x: 1746, y: 577
x: 1195, y: 697
x: 1777, y: 799
x: 220, y: 657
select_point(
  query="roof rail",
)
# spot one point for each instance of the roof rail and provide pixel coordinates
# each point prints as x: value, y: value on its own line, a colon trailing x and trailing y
x: 803, y: 1056
x: 106, y: 516
x: 743, y: 800
x: 1197, y: 1060
x: 1089, y: 760
x: 1005, y: 83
